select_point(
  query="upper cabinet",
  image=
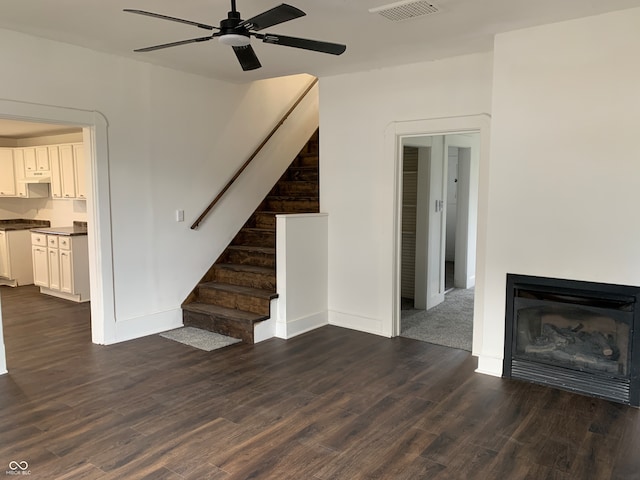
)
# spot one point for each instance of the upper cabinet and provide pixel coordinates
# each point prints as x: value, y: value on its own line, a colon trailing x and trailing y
x: 7, y: 173
x: 68, y: 172
x: 81, y: 174
x: 23, y: 189
x: 64, y: 164
x: 36, y: 159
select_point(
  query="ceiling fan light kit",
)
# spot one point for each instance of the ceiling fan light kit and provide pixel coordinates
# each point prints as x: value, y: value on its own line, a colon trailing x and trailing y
x: 235, y: 40
x: 237, y: 33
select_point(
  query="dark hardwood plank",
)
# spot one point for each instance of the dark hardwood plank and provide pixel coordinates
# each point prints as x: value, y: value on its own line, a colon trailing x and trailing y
x: 330, y: 404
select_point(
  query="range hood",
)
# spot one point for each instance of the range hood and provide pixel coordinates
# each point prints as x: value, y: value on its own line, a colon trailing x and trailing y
x: 36, y: 179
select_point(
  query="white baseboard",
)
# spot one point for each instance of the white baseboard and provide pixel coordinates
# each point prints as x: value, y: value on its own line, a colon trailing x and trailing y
x: 264, y: 330
x: 301, y: 325
x: 148, y: 325
x: 489, y: 366
x: 355, y: 322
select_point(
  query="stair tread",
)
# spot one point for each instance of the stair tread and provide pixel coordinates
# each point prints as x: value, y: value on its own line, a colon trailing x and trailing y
x: 237, y: 267
x: 257, y: 229
x: 252, y: 248
x: 254, y: 292
x: 229, y: 313
x: 292, y: 197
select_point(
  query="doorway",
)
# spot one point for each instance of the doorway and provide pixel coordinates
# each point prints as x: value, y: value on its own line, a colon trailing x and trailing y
x: 94, y: 134
x: 438, y: 237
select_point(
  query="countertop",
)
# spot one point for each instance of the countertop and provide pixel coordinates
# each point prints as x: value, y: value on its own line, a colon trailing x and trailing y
x: 22, y: 224
x: 75, y: 230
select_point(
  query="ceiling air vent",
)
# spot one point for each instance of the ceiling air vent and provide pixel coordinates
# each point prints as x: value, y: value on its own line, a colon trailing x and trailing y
x: 404, y: 10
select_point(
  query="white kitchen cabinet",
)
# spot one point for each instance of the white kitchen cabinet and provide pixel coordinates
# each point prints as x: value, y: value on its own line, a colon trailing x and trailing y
x: 36, y: 159
x: 7, y: 173
x: 42, y: 159
x: 40, y: 259
x: 56, y: 178
x: 66, y: 271
x: 30, y: 164
x: 23, y: 189
x: 67, y: 171
x: 54, y: 268
x: 80, y: 171
x: 15, y: 258
x: 61, y: 266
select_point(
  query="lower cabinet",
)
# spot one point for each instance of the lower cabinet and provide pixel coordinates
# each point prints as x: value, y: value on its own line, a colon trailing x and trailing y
x: 15, y: 261
x: 61, y: 265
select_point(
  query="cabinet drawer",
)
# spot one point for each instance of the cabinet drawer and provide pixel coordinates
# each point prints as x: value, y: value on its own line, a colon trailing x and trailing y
x: 38, y: 239
x: 52, y: 241
x: 64, y: 243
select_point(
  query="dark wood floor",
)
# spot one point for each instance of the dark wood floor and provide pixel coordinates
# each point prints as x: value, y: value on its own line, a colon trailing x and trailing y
x: 331, y: 404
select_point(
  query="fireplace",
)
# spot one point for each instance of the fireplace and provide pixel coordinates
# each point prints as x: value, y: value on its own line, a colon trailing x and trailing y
x: 574, y: 335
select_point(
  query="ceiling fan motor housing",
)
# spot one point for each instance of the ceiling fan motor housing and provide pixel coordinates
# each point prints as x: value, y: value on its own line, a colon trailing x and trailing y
x: 230, y: 34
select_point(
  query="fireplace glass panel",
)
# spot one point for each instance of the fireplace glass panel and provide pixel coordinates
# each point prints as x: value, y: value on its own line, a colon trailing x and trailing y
x: 587, y: 334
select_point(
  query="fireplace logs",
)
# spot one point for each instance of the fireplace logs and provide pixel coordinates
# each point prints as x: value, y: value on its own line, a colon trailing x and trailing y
x: 574, y: 346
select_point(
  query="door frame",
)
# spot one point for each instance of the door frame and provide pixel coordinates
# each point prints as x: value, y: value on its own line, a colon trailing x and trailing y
x: 394, y: 135
x: 94, y: 130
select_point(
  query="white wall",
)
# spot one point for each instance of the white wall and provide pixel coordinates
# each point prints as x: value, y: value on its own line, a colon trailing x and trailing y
x: 61, y: 213
x: 301, y: 269
x: 564, y: 172
x: 173, y: 140
x: 358, y: 177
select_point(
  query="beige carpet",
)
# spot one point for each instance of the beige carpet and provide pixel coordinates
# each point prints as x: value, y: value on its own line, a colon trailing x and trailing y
x: 202, y: 339
x: 449, y: 324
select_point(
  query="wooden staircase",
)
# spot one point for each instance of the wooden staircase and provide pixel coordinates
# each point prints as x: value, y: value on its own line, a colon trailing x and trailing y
x: 236, y: 292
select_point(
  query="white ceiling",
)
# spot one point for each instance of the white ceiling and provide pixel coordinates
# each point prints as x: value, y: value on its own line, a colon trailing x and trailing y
x: 461, y: 27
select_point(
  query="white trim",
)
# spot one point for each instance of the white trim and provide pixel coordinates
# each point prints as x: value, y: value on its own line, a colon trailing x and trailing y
x: 148, y: 324
x: 98, y: 207
x: 393, y: 136
x: 357, y: 322
x: 264, y: 330
x: 490, y: 366
x: 293, y: 328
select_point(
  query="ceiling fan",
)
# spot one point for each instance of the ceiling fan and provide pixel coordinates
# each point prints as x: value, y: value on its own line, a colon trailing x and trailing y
x: 237, y: 33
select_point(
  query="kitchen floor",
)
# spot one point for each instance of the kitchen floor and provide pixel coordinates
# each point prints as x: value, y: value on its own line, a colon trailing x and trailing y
x: 26, y: 313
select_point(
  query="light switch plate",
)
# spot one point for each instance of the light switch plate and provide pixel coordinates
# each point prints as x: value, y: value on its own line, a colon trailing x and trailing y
x: 179, y: 215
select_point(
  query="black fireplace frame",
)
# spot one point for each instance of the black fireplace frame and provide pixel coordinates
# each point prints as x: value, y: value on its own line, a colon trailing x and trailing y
x: 599, y: 385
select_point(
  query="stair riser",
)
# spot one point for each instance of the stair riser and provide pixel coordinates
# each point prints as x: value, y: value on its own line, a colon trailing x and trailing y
x: 293, y: 206
x: 258, y: 259
x: 218, y: 325
x: 303, y: 189
x: 257, y: 239
x: 295, y: 174
x: 264, y: 220
x: 307, y: 160
x: 245, y: 279
x: 234, y: 300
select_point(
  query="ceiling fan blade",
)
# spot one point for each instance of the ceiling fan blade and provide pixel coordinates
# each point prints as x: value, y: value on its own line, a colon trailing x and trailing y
x: 305, y: 43
x: 175, y: 44
x: 173, y: 19
x: 280, y: 14
x: 247, y: 57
